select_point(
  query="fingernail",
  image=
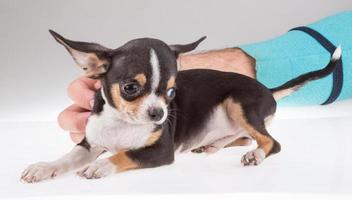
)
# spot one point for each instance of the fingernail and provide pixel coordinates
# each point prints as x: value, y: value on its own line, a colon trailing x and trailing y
x: 91, y: 103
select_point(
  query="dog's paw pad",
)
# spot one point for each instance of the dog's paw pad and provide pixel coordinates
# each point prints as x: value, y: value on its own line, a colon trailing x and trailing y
x: 199, y: 150
x: 209, y: 149
x: 254, y: 157
x: 38, y: 172
x: 97, y: 169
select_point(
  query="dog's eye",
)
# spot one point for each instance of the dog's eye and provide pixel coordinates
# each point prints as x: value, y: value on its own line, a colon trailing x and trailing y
x: 171, y: 93
x: 131, y: 88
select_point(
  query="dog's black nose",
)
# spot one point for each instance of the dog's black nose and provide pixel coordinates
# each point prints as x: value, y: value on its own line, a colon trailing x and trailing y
x: 156, y: 114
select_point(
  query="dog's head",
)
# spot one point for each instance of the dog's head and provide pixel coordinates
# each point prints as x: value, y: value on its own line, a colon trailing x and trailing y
x: 138, y: 78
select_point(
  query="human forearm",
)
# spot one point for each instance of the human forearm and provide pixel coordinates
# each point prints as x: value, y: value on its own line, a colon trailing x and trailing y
x: 229, y: 59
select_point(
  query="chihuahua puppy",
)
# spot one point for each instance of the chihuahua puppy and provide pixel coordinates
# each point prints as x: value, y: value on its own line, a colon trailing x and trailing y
x: 138, y: 117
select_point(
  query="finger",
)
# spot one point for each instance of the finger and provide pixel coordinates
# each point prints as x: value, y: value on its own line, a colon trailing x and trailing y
x: 73, y: 119
x: 82, y: 92
x: 77, y: 137
x: 97, y: 85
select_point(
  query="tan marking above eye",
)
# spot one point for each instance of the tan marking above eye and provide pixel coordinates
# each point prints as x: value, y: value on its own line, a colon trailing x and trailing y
x: 170, y: 82
x: 131, y: 107
x: 141, y: 78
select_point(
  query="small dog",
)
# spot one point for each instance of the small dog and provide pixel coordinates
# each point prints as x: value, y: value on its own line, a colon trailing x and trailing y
x: 138, y: 117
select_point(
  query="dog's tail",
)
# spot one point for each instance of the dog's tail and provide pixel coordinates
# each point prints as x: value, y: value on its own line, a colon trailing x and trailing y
x: 293, y: 85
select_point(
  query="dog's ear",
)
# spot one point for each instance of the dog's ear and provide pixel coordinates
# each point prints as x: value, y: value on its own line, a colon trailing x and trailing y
x: 91, y: 57
x: 183, y: 48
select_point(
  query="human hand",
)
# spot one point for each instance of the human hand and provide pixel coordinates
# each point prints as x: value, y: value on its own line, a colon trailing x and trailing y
x: 74, y: 118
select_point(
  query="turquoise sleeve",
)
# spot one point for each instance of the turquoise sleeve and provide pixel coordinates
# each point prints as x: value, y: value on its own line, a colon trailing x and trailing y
x: 294, y: 53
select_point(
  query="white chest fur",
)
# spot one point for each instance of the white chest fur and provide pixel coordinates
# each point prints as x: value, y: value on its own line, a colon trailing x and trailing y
x: 108, y: 131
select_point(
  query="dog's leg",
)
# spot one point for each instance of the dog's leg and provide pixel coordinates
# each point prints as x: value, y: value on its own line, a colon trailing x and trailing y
x: 250, y: 120
x: 158, y: 154
x: 242, y: 141
x: 245, y: 140
x: 223, y: 142
x: 77, y: 157
x: 125, y: 160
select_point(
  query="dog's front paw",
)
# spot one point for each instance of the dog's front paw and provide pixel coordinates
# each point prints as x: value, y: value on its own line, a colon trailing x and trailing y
x: 254, y: 157
x: 97, y: 169
x: 39, y: 171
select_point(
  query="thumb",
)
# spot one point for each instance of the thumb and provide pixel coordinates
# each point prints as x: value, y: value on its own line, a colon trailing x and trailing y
x: 77, y: 137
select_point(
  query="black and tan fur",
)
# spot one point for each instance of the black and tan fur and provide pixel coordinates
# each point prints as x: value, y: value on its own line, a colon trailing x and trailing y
x: 202, y: 97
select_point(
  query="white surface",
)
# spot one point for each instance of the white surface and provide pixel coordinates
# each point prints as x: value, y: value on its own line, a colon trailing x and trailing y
x: 315, y: 159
